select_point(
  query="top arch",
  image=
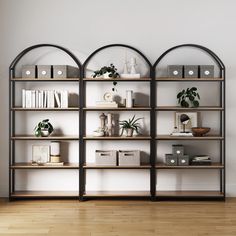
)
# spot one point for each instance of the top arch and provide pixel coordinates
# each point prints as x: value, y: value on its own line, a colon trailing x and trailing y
x: 25, y: 51
x: 207, y: 50
x: 115, y: 45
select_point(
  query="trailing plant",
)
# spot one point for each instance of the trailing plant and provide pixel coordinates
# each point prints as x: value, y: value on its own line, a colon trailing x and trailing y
x: 111, y: 71
x: 41, y: 126
x: 130, y: 124
x: 188, y: 97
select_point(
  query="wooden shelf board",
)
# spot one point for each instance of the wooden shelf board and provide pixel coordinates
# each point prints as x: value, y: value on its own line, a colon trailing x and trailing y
x: 117, y: 109
x: 45, y: 109
x: 169, y: 137
x: 30, y: 166
x: 94, y: 166
x: 117, y: 79
x: 177, y: 108
x: 188, y: 79
x: 117, y: 194
x: 189, y: 194
x: 49, y: 194
x: 31, y: 137
x: 118, y: 138
x: 45, y: 79
x: 212, y: 166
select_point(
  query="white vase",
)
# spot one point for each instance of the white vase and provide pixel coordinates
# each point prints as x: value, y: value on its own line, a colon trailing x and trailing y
x: 129, y: 98
x: 129, y: 132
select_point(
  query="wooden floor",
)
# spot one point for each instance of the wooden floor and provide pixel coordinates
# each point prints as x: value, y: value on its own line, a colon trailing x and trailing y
x: 115, y: 218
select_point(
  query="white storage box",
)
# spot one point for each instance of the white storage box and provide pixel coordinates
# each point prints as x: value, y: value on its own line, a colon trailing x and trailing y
x: 129, y: 158
x: 106, y: 158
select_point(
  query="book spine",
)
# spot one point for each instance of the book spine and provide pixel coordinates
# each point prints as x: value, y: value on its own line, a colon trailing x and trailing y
x: 23, y: 98
x: 28, y: 98
x: 57, y: 99
x: 37, y: 99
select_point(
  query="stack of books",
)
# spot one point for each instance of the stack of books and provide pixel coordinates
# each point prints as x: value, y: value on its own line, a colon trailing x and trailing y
x: 182, y: 134
x: 44, y: 98
x: 201, y: 160
x: 106, y: 104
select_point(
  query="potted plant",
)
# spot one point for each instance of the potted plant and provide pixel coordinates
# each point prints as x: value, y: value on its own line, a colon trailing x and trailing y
x: 43, y: 129
x: 188, y: 97
x: 130, y: 125
x: 107, y: 72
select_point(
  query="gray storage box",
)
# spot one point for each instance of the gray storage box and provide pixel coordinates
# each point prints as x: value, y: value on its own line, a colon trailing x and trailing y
x: 191, y: 71
x: 183, y: 160
x: 44, y: 71
x: 64, y: 71
x: 207, y: 71
x: 175, y: 71
x: 129, y: 158
x: 106, y: 158
x: 171, y: 160
x: 178, y: 150
x: 28, y: 71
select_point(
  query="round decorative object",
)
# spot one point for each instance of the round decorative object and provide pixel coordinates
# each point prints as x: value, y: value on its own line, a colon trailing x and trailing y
x: 45, y: 133
x: 200, y: 131
x: 175, y: 72
x: 207, y: 72
x: 59, y: 72
x: 108, y: 97
x: 27, y: 72
x: 190, y: 72
x: 44, y: 72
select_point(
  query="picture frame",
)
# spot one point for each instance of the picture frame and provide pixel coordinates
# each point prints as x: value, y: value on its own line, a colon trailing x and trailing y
x: 40, y: 154
x: 194, y: 117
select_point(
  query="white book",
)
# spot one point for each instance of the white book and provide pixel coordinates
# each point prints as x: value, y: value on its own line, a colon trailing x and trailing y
x: 41, y: 98
x: 57, y: 99
x: 64, y: 99
x: 33, y: 100
x: 23, y: 98
x: 182, y: 134
x: 52, y: 99
x: 48, y: 99
x: 28, y: 98
x: 37, y: 99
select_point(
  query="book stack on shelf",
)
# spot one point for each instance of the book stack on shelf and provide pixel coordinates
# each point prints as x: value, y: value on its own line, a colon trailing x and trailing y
x: 44, y: 98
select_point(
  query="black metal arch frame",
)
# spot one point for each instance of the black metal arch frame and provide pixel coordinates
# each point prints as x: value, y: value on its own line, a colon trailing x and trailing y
x: 12, y: 102
x: 222, y: 101
x: 83, y: 120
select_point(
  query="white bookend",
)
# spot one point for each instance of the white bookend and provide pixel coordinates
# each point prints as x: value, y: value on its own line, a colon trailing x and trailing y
x: 57, y: 99
x: 23, y: 98
x: 28, y: 98
x: 33, y: 100
x: 37, y: 99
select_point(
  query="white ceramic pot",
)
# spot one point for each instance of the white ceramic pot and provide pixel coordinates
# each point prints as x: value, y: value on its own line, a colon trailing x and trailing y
x: 106, y: 75
x: 129, y: 132
x: 44, y: 133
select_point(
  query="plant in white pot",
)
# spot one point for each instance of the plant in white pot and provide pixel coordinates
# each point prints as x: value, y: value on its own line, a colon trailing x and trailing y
x: 129, y: 126
x: 43, y: 129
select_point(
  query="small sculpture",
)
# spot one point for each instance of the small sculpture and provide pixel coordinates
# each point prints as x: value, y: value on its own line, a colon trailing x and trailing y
x: 132, y: 72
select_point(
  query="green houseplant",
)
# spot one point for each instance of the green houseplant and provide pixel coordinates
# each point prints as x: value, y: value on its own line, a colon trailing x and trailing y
x: 107, y: 72
x: 188, y: 97
x: 43, y: 129
x: 130, y: 125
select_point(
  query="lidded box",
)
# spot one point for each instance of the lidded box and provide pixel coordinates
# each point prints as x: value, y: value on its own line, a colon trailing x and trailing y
x: 65, y: 71
x: 178, y: 149
x: 171, y: 160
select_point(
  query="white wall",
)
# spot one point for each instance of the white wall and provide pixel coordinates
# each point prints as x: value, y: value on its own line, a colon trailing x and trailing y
x: 151, y: 26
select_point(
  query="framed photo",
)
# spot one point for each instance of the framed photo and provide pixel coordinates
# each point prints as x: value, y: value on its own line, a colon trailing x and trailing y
x: 192, y: 122
x: 40, y: 153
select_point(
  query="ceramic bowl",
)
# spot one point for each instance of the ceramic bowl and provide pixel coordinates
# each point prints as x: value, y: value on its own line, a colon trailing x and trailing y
x: 200, y: 131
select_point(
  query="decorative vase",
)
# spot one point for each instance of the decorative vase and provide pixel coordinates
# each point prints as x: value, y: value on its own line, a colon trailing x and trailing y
x: 129, y: 132
x: 129, y: 98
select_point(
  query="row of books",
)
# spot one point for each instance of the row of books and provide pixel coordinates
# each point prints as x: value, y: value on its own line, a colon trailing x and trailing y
x: 44, y: 98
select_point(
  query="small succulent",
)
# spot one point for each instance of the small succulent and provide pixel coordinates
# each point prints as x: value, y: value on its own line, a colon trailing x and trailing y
x: 130, y: 124
x: 42, y: 126
x: 112, y: 73
x: 188, y: 97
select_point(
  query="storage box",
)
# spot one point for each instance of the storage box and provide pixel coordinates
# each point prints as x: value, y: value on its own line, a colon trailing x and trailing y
x: 178, y: 150
x: 106, y: 157
x: 183, y: 160
x: 65, y: 71
x: 175, y: 71
x: 28, y: 71
x: 207, y: 71
x: 44, y: 71
x: 191, y: 71
x: 171, y: 160
x: 129, y: 158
